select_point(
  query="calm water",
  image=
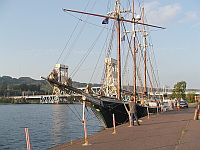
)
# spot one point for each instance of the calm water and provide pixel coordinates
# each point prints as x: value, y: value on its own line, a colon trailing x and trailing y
x: 49, y: 125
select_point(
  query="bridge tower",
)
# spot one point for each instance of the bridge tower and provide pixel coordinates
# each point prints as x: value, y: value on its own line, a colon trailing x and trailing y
x: 110, y: 82
x: 62, y: 77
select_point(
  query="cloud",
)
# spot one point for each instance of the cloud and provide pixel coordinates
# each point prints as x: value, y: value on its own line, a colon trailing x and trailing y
x: 161, y: 14
x: 189, y: 16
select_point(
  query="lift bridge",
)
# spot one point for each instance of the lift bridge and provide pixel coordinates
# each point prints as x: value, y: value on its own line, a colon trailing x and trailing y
x: 58, y: 96
x: 63, y: 98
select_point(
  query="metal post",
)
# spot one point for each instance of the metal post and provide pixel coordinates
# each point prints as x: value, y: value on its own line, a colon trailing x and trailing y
x: 130, y: 120
x: 114, y: 128
x: 196, y: 114
x: 157, y: 109
x: 84, y: 125
x: 28, y: 145
x: 148, y: 111
x: 85, y: 133
x: 130, y: 113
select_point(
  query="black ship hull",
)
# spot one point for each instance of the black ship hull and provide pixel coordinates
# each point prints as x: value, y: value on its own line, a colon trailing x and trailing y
x: 106, y: 109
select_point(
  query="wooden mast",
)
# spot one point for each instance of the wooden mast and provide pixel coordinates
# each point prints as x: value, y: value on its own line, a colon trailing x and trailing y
x: 134, y: 53
x: 145, y: 54
x: 119, y: 19
x: 118, y: 50
x: 119, y: 60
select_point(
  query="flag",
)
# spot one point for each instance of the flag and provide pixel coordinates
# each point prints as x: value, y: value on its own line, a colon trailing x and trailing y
x: 123, y: 38
x: 105, y: 21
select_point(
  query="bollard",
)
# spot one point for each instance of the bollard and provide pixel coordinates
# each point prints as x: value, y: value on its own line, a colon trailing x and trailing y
x: 157, y: 110
x: 85, y: 134
x: 198, y: 114
x: 85, y: 126
x: 130, y: 120
x: 195, y: 114
x: 28, y: 145
x: 148, y: 111
x: 114, y: 128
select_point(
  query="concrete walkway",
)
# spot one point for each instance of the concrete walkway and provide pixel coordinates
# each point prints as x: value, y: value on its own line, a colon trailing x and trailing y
x: 174, y: 130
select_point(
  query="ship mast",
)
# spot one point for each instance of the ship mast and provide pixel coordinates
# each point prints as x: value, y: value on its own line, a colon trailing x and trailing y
x: 118, y: 50
x: 134, y: 53
x: 145, y: 54
x: 116, y: 16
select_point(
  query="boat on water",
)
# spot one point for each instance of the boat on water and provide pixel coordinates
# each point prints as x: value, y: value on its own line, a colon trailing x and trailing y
x: 114, y: 98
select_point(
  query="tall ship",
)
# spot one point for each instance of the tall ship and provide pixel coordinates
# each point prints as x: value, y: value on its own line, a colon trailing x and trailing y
x: 117, y: 87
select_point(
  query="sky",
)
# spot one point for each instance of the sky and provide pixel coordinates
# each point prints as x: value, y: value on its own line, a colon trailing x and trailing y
x: 33, y: 34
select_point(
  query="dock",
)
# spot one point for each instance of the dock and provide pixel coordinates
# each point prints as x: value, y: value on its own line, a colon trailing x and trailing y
x: 173, y: 130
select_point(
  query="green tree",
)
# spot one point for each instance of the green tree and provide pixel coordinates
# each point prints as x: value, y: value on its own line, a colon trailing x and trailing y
x: 4, y: 89
x: 190, y: 97
x: 46, y: 88
x: 179, y: 90
x: 23, y: 87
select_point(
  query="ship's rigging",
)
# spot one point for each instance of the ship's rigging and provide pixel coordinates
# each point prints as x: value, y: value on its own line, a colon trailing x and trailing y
x: 137, y: 49
x: 142, y: 56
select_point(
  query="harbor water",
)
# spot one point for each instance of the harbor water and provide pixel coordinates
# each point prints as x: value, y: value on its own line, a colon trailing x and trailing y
x: 49, y: 125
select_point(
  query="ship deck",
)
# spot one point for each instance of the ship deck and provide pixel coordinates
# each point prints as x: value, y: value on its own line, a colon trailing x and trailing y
x: 173, y: 130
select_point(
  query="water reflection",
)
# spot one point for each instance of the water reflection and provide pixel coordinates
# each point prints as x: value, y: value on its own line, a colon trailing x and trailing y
x: 49, y: 125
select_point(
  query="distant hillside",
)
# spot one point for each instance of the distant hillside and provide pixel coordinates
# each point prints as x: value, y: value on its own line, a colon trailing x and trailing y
x: 25, y: 85
x: 21, y: 80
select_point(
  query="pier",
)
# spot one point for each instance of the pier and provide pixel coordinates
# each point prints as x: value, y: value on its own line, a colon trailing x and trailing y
x: 173, y: 130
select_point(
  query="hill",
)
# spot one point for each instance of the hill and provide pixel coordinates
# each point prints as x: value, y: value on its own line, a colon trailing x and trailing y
x: 27, y: 86
x: 24, y: 85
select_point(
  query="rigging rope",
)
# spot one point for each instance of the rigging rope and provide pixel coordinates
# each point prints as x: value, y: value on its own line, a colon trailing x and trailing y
x: 98, y: 60
x: 86, y: 54
x: 78, y: 116
x: 148, y: 74
x: 130, y: 49
x: 127, y: 56
x: 108, y: 51
x: 71, y: 35
x: 152, y: 70
x: 111, y: 41
x: 152, y: 49
x: 94, y: 116
x: 85, y: 21
x: 77, y: 37
x: 138, y: 65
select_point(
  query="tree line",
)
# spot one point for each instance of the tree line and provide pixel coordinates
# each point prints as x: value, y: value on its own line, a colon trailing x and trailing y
x: 27, y: 86
x: 23, y: 86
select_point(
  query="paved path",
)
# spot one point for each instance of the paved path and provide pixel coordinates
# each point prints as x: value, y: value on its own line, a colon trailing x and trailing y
x: 167, y: 131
